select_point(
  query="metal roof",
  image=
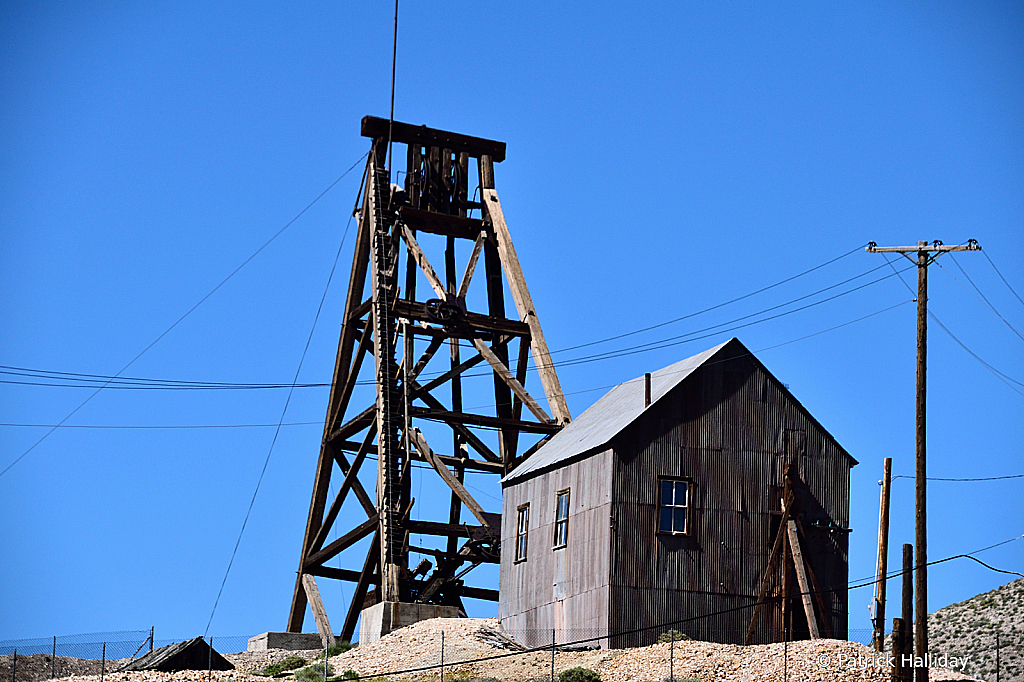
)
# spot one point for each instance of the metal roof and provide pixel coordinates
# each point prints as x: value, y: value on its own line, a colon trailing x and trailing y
x: 616, y: 410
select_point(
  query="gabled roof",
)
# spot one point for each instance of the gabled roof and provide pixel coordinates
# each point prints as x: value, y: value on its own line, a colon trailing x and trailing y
x: 616, y: 410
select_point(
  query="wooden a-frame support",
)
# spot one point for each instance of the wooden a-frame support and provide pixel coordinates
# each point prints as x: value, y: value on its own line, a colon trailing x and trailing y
x: 384, y: 318
x: 789, y: 542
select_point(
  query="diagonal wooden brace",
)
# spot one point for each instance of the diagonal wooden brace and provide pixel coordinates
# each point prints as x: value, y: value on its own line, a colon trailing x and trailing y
x: 421, y: 445
x: 506, y: 375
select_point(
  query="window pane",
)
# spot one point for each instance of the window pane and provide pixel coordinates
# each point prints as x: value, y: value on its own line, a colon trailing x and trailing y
x: 666, y: 493
x: 681, y: 489
x: 679, y: 523
x: 666, y: 520
x: 561, y: 533
x: 562, y: 510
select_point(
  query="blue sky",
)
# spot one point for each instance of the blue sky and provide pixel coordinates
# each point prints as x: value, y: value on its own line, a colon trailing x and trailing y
x: 661, y: 159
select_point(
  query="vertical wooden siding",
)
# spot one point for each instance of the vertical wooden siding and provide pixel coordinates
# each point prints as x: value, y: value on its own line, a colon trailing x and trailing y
x: 732, y: 428
x: 564, y: 589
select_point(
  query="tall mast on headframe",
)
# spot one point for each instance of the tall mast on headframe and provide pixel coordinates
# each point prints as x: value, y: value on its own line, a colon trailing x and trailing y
x: 383, y: 317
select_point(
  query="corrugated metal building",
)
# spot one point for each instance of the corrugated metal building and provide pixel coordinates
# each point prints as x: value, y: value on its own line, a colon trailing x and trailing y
x: 639, y: 514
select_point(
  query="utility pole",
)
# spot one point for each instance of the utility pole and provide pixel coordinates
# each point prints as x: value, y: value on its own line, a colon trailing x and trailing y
x: 883, y: 558
x: 925, y: 255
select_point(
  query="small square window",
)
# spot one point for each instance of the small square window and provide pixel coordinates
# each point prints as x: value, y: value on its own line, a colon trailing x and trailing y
x: 674, y: 506
x: 522, y: 529
x: 561, y: 519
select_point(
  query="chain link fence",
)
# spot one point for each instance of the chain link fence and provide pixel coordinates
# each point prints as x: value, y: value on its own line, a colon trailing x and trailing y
x: 40, y: 658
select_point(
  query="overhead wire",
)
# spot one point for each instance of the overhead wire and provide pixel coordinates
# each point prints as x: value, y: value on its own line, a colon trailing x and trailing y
x: 185, y: 315
x: 280, y: 422
x: 157, y: 384
x: 979, y: 295
x: 1012, y: 290
x: 1006, y: 379
x: 564, y: 393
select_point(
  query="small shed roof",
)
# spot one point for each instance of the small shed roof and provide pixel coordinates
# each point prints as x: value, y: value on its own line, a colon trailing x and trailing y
x: 616, y: 410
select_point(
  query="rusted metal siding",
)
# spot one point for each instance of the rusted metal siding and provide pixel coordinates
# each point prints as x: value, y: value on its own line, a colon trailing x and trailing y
x: 732, y: 428
x: 563, y: 589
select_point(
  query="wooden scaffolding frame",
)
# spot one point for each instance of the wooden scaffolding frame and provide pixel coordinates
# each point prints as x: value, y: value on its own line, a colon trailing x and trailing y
x: 435, y: 203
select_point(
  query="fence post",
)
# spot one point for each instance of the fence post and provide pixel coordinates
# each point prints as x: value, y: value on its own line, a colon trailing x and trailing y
x: 552, y: 655
x: 671, y: 655
x: 785, y: 654
x: 151, y: 638
x: 442, y: 656
x: 103, y: 662
x: 209, y: 661
x: 14, y: 667
x: 53, y: 659
x: 997, y: 655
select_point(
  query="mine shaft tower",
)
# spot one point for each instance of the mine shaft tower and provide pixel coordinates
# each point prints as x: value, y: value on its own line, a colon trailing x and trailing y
x: 385, y: 318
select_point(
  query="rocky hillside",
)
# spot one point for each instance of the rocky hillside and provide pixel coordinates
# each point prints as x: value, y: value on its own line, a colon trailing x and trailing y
x: 970, y: 627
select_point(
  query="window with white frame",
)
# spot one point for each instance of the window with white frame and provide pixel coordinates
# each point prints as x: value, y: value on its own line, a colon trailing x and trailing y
x: 522, y: 529
x: 561, y: 518
x: 674, y: 506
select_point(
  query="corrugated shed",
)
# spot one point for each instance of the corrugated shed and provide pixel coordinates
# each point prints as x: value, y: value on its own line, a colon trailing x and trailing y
x: 721, y: 420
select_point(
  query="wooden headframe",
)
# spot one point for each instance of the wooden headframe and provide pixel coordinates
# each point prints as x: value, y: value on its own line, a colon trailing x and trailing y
x: 384, y: 317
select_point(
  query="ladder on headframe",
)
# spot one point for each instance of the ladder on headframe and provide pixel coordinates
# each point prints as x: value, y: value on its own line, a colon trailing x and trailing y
x: 389, y: 318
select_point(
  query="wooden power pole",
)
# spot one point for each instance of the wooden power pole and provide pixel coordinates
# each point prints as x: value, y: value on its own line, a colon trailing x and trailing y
x: 400, y: 230
x: 925, y: 255
x: 883, y: 558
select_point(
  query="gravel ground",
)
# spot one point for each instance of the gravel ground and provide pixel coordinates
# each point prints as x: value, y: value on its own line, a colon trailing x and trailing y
x: 419, y: 645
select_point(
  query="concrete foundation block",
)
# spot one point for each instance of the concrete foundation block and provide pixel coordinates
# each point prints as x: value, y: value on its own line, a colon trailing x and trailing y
x: 295, y: 641
x: 380, y: 619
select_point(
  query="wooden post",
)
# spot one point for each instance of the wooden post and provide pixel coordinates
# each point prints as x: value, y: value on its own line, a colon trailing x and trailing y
x: 806, y: 592
x: 317, y: 606
x: 924, y: 259
x: 908, y: 600
x: 920, y: 475
x: 883, y: 558
x: 897, y: 650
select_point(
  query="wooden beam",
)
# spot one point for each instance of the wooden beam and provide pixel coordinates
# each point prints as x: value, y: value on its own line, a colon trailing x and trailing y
x: 424, y: 449
x: 346, y: 485
x: 471, y: 438
x: 506, y: 375
x: 445, y: 529
x: 441, y: 223
x: 354, y: 425
x: 353, y: 373
x: 341, y: 544
x: 334, y: 573
x: 819, y: 597
x: 478, y: 246
x: 769, y: 570
x: 801, y: 577
x: 365, y: 576
x: 467, y: 320
x: 421, y: 260
x: 353, y: 482
x: 316, y: 605
x: 479, y: 593
x: 432, y: 347
x: 524, y: 305
x: 407, y: 133
x: 483, y: 420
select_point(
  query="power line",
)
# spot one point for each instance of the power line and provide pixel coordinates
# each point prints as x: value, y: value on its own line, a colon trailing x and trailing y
x: 962, y: 480
x: 714, y: 307
x: 168, y: 384
x: 320, y: 423
x: 985, y: 253
x: 982, y: 296
x: 277, y: 431
x: 999, y: 375
x: 187, y: 313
